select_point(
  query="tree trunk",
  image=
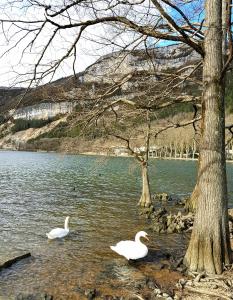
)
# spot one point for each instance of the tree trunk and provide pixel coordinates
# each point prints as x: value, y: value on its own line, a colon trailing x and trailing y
x: 145, y: 200
x: 191, y: 203
x: 209, y: 247
x: 194, y: 149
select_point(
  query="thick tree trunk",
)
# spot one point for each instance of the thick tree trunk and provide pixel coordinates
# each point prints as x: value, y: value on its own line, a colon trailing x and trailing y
x: 145, y: 200
x: 191, y: 203
x: 209, y: 247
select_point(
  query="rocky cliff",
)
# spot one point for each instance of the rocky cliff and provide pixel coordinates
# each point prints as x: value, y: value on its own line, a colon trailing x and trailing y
x: 110, y: 67
x: 44, y: 110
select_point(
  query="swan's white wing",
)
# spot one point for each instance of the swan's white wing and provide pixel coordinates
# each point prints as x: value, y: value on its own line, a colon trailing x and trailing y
x: 57, y: 233
x: 124, y: 244
x: 130, y: 249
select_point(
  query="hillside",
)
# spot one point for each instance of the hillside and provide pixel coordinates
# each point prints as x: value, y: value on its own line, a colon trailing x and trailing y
x: 49, y: 117
x: 108, y: 70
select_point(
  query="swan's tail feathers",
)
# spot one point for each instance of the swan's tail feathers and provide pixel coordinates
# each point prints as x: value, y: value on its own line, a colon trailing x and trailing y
x: 113, y: 248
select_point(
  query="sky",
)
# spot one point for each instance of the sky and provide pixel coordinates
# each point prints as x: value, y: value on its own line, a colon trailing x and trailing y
x: 13, y: 64
x: 16, y: 68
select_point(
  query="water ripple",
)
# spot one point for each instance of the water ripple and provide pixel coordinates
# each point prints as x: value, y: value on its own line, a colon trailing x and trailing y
x: 37, y: 192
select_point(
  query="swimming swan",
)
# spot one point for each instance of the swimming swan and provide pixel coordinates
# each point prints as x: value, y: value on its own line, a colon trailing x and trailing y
x: 132, y: 249
x: 59, y: 232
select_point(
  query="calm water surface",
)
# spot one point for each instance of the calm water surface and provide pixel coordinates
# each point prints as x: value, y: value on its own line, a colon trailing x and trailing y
x: 37, y: 192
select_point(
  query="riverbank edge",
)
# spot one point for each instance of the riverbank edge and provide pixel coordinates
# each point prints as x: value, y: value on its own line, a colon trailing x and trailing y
x: 92, y: 153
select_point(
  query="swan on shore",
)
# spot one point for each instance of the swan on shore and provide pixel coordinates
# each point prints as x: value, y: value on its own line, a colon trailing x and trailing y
x: 59, y: 232
x: 132, y: 249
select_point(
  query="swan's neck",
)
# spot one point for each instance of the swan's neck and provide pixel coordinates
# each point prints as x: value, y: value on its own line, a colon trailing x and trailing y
x: 66, y: 224
x: 137, y: 238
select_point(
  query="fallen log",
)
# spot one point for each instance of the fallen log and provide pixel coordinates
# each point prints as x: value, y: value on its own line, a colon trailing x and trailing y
x: 13, y: 260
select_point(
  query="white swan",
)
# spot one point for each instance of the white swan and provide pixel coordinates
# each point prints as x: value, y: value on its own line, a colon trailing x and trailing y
x: 59, y: 232
x: 132, y: 249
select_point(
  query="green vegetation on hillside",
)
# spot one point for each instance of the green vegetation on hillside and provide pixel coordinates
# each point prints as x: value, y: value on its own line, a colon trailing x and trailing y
x: 174, y: 110
x: 21, y: 124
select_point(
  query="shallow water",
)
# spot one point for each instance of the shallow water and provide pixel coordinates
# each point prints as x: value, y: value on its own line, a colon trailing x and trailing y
x: 37, y: 192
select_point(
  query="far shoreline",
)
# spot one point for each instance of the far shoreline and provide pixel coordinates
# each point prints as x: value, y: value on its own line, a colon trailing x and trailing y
x: 101, y: 154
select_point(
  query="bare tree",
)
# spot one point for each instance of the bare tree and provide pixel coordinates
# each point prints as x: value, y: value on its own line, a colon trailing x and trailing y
x: 141, y: 154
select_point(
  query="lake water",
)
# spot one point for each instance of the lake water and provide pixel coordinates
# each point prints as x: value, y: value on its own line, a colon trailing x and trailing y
x: 37, y: 192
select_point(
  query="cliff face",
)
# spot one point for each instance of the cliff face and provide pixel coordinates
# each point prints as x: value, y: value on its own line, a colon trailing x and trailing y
x: 43, y: 111
x: 111, y: 67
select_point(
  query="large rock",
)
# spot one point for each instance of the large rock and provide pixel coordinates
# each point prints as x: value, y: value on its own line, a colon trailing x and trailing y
x: 164, y: 222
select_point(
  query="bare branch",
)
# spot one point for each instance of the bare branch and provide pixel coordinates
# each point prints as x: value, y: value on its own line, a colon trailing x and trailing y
x: 177, y: 28
x: 127, y: 141
x: 177, y: 125
x: 230, y: 38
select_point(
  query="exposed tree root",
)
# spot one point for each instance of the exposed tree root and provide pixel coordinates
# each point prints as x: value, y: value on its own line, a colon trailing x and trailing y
x: 207, y: 292
x: 219, y: 286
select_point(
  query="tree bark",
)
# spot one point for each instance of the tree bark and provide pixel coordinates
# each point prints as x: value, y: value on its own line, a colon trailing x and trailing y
x: 191, y: 203
x: 209, y: 247
x: 145, y: 200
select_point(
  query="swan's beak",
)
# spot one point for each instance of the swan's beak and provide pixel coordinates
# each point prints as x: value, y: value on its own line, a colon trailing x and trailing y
x: 146, y: 237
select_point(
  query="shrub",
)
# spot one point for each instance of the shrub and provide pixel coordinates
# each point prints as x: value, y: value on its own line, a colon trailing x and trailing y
x: 57, y: 132
x: 2, y: 119
x: 173, y: 110
x: 22, y: 124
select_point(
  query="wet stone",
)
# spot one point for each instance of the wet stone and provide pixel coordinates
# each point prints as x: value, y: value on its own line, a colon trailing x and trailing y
x: 110, y: 297
x: 165, y: 295
x: 138, y: 286
x: 38, y: 296
x: 182, y: 269
x: 157, y: 292
x: 90, y: 293
x: 164, y: 222
x: 176, y: 297
x: 178, y: 263
x: 181, y: 202
x: 151, y: 285
x: 164, y: 197
x: 159, y: 266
